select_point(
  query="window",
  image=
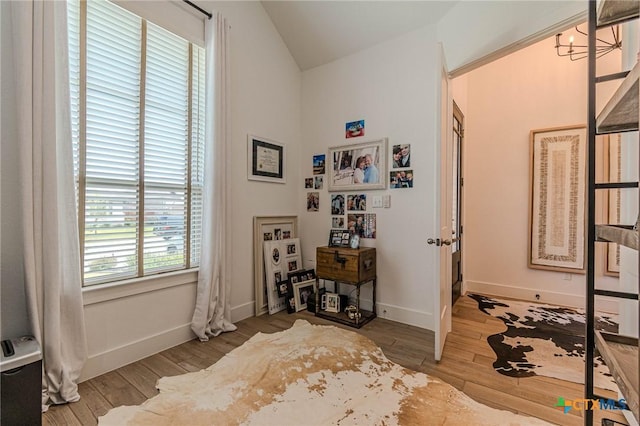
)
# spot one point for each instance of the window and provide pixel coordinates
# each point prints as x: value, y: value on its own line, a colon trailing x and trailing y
x: 137, y: 102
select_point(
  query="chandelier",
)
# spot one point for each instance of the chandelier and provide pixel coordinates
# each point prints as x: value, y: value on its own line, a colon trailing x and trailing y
x: 579, y: 51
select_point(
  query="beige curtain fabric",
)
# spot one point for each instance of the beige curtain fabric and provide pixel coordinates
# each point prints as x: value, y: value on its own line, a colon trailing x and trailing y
x: 212, y: 314
x: 52, y: 256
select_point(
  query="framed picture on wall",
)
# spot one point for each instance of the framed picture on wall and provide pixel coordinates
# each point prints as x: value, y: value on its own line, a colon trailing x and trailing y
x: 358, y: 167
x: 354, y: 129
x: 266, y: 160
x: 318, y: 164
x: 557, y: 224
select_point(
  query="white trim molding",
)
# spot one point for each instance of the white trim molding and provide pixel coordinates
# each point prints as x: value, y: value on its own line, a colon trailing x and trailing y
x: 405, y: 315
x: 105, y: 292
x: 529, y: 294
x: 134, y: 351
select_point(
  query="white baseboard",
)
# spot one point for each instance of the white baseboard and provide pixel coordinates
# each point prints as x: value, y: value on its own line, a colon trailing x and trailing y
x: 406, y: 316
x: 112, y: 359
x: 390, y: 312
x: 115, y: 358
x: 551, y: 297
x: 246, y: 310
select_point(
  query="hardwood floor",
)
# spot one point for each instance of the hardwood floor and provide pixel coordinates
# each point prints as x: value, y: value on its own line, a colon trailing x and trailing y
x: 466, y: 364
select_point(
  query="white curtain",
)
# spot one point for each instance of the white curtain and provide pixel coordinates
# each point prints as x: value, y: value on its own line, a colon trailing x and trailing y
x: 51, y: 249
x: 212, y: 314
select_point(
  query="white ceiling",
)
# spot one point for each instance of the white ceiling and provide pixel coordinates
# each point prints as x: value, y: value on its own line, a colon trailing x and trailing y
x: 319, y: 32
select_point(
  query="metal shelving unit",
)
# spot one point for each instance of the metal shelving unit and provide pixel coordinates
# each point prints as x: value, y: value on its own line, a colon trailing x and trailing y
x: 620, y: 114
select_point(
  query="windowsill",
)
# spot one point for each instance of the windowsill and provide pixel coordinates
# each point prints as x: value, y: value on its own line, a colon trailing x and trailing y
x: 106, y: 292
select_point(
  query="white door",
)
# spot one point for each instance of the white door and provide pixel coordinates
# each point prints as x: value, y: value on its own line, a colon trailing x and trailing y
x: 442, y: 242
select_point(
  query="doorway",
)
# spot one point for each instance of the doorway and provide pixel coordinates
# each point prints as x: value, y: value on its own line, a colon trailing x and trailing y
x: 456, y: 208
x: 503, y: 213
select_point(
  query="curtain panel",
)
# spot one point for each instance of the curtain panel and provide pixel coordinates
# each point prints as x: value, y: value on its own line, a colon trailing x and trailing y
x: 53, y: 283
x: 212, y: 314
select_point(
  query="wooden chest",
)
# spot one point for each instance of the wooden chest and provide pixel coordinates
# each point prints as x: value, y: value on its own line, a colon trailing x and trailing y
x: 346, y: 264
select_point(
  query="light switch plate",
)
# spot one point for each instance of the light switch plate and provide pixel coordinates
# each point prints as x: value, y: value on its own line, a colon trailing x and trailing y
x: 386, y: 201
x: 376, y: 201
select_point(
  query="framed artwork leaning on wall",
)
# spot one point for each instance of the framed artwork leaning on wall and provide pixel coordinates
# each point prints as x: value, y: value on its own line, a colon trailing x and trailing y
x: 268, y: 228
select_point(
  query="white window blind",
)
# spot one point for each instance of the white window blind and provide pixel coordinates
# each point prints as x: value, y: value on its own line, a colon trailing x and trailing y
x: 197, y: 152
x: 137, y: 104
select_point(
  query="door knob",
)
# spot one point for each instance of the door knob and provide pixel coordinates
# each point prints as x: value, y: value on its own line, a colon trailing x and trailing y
x: 438, y: 242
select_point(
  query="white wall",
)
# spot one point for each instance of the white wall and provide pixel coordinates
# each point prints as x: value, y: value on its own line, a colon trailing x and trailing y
x: 392, y: 86
x: 126, y: 324
x: 472, y: 30
x: 530, y: 89
x: 266, y: 101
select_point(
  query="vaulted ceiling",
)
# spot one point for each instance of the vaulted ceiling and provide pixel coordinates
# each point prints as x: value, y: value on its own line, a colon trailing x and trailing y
x: 319, y: 32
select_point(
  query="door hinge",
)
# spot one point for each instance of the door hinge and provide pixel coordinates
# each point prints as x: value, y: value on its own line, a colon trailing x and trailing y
x: 461, y: 181
x: 461, y: 229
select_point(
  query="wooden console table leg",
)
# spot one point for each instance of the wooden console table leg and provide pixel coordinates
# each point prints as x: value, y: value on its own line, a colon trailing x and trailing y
x: 374, y: 295
x: 317, y: 294
x: 357, y: 304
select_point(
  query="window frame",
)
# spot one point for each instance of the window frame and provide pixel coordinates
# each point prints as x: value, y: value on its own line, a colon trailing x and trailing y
x: 190, y: 190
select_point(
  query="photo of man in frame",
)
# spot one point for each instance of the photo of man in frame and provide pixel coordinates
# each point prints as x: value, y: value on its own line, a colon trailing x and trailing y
x: 401, y: 156
x: 357, y: 202
x: 357, y: 166
x: 337, y: 204
x: 304, y: 293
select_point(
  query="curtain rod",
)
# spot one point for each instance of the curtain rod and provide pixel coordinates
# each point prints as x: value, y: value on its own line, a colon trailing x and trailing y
x: 198, y: 8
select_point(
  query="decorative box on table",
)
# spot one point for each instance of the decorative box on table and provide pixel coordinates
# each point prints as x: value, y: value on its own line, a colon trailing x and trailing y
x: 355, y: 267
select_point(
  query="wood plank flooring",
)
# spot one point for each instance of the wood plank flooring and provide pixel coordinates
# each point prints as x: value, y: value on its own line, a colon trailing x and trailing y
x: 466, y: 364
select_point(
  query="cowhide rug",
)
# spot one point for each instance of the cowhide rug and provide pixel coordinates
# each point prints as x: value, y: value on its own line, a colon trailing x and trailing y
x: 544, y: 340
x: 308, y: 375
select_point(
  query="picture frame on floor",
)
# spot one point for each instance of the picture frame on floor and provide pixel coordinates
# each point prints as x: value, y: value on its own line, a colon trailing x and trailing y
x: 268, y: 228
x: 302, y: 291
x: 332, y: 302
